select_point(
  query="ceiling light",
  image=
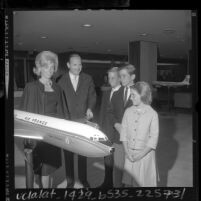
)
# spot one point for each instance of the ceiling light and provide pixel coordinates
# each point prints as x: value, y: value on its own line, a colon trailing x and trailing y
x: 44, y: 37
x: 143, y: 34
x: 169, y: 31
x: 87, y: 25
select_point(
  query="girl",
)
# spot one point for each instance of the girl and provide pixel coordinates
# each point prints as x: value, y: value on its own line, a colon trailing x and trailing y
x: 139, y: 134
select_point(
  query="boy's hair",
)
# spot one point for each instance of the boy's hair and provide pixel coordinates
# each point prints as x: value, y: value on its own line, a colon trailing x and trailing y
x: 73, y: 55
x: 113, y: 69
x: 129, y: 67
x: 144, y: 90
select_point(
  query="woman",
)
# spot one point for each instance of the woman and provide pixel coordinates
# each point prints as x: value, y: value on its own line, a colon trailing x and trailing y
x: 44, y: 96
x: 139, y: 134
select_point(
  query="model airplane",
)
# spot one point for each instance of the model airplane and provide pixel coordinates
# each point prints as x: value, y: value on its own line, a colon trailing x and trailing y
x: 76, y: 137
x: 186, y: 81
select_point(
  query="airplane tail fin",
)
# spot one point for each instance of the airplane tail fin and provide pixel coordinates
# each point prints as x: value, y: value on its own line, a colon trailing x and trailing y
x: 186, y: 80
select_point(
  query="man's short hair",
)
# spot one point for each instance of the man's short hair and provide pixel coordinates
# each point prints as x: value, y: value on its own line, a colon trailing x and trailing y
x: 129, y: 67
x: 113, y: 69
x: 73, y: 55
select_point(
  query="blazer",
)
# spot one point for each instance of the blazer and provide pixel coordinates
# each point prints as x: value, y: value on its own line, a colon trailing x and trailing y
x: 33, y: 99
x: 80, y: 100
x: 111, y: 112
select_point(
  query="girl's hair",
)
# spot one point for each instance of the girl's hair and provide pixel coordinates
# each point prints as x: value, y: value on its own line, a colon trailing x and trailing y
x: 47, y: 56
x: 144, y: 90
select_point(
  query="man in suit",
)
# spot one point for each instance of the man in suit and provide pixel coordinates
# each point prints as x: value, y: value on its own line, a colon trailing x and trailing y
x: 80, y: 97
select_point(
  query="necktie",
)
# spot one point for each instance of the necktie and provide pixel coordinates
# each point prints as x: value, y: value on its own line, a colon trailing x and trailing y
x: 75, y: 82
x: 125, y: 95
x: 112, y: 91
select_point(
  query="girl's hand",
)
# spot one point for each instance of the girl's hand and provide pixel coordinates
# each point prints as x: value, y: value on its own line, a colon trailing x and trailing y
x: 137, y: 157
x: 141, y: 154
x: 129, y: 156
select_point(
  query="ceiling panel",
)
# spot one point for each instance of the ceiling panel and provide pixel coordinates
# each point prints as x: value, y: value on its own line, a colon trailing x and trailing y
x: 111, y: 30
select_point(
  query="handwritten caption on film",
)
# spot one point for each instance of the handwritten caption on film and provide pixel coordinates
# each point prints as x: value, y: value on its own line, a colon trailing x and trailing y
x: 95, y: 194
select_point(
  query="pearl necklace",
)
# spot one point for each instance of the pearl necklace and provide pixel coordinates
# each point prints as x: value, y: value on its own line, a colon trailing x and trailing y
x: 46, y: 83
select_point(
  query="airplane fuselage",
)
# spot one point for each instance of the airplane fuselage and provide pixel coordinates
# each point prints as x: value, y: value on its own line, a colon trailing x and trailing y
x: 73, y: 136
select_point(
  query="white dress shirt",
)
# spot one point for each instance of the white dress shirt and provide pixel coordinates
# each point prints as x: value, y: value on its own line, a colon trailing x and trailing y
x: 129, y: 91
x: 74, y: 80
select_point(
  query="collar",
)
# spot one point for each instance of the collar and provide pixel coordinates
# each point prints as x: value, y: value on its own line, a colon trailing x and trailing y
x: 41, y: 85
x: 140, y: 110
x: 72, y: 75
x: 116, y: 88
x: 130, y: 85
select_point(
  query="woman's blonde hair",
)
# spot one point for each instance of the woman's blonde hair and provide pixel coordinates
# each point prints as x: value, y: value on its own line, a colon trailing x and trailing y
x: 144, y: 90
x: 47, y: 56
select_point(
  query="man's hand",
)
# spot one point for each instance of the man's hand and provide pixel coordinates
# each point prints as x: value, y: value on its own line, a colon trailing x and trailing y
x: 89, y: 114
x: 118, y: 127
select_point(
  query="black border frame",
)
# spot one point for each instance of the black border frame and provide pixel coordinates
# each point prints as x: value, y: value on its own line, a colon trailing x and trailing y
x: 191, y: 193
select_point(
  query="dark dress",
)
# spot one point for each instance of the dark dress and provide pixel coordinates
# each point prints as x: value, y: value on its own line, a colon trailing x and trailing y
x: 46, y: 157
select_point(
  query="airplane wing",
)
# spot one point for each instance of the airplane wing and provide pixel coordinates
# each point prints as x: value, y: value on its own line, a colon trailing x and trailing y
x: 172, y: 84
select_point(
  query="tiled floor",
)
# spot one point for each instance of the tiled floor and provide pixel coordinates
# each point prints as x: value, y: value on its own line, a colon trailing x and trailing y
x: 174, y: 156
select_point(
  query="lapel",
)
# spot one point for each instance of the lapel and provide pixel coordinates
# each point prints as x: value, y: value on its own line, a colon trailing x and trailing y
x: 128, y: 103
x: 80, y: 81
x: 69, y: 85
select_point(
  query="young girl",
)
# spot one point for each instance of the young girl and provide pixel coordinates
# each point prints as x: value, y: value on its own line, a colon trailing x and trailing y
x: 139, y: 134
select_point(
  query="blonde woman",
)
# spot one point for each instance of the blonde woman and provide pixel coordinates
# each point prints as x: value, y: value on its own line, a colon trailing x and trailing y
x: 44, y: 96
x: 139, y: 134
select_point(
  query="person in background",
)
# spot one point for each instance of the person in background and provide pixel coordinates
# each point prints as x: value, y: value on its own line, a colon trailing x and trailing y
x: 80, y: 97
x: 45, y: 97
x: 106, y: 85
x: 111, y: 112
x: 139, y: 134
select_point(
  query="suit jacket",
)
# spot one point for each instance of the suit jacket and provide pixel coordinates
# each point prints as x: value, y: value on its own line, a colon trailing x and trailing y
x: 112, y: 112
x: 84, y: 97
